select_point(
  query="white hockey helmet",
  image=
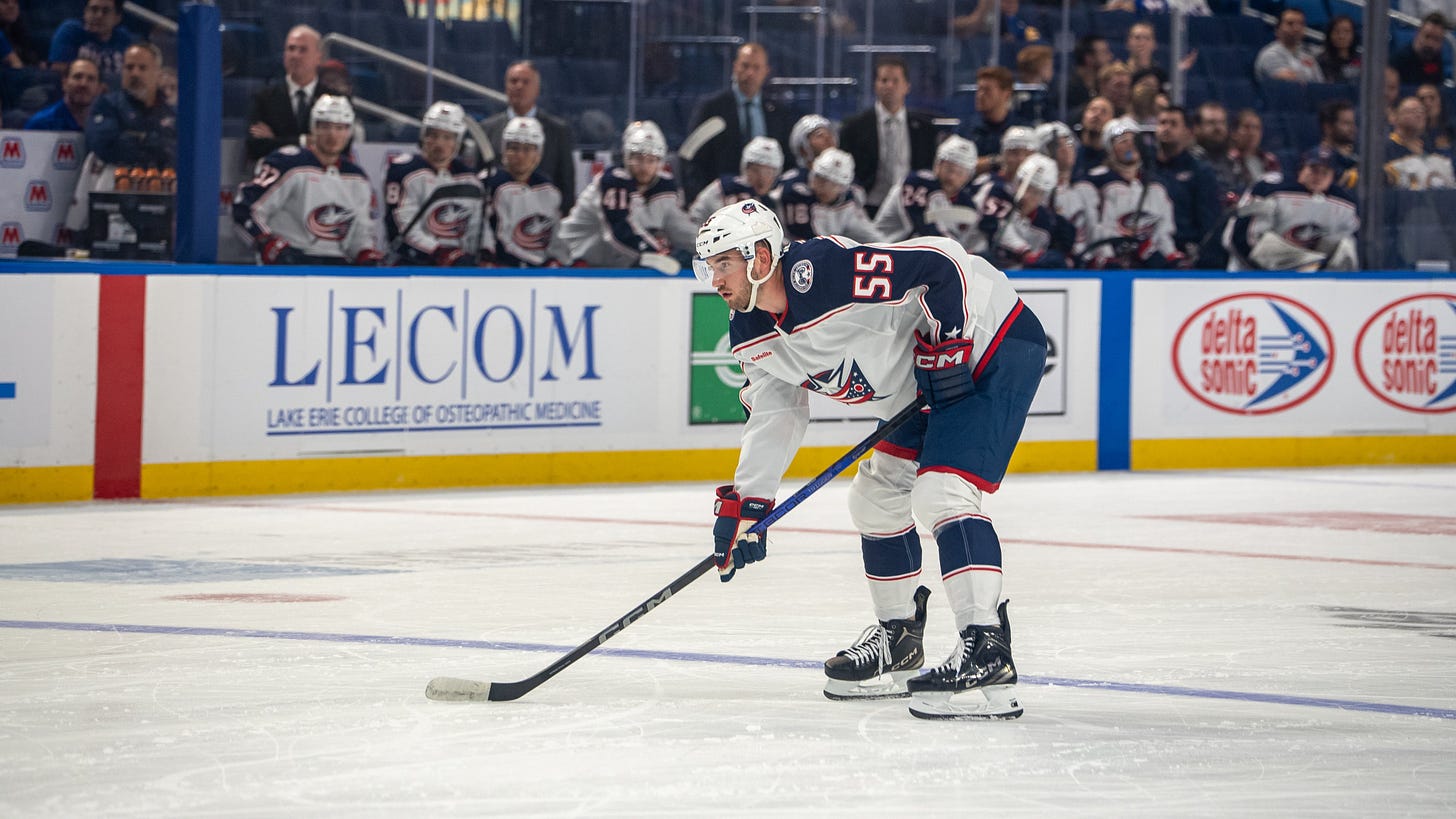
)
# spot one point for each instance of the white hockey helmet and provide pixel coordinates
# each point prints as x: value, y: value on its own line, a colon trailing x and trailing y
x: 799, y: 136
x: 526, y: 130
x: 331, y: 108
x: 835, y: 165
x: 644, y: 137
x: 762, y: 151
x: 1052, y: 134
x: 1116, y: 128
x: 740, y: 226
x: 959, y: 151
x: 445, y: 116
x: 1020, y: 136
x: 1038, y: 172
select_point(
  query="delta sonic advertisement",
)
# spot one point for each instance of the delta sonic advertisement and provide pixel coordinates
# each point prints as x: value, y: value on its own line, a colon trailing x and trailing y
x: 415, y: 365
x: 1303, y: 358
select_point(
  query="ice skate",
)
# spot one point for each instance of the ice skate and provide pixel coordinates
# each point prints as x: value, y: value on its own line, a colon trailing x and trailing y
x: 978, y: 681
x: 878, y: 664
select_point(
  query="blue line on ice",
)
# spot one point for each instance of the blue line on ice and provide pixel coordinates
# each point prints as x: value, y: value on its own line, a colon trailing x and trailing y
x: 728, y: 659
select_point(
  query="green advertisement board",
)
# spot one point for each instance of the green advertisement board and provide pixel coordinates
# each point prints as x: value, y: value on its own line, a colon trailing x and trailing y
x: 715, y: 376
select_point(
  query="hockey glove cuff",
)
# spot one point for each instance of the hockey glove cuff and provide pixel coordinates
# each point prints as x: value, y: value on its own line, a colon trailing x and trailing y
x: 451, y: 257
x: 369, y: 257
x: 733, y: 547
x: 943, y: 371
x: 274, y: 250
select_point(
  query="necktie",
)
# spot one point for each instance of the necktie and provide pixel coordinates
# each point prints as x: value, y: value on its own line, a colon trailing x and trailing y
x: 300, y: 110
x: 891, y: 156
x: 748, y: 130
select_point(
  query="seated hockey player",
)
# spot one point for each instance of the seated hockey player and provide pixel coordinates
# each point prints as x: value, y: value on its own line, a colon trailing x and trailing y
x: 1306, y: 224
x: 1128, y: 214
x: 631, y: 214
x: 1021, y: 228
x: 811, y: 136
x: 522, y: 206
x: 311, y: 205
x: 431, y: 198
x: 828, y: 202
x: 937, y: 202
x: 873, y: 326
x: 1059, y: 143
x: 758, y: 172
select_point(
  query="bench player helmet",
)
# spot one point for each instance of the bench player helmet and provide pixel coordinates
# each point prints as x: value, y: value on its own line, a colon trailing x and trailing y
x: 958, y: 150
x: 331, y: 108
x: 799, y: 136
x: 526, y: 130
x: 740, y: 226
x: 762, y: 151
x: 835, y: 165
x: 644, y: 137
x: 1038, y: 172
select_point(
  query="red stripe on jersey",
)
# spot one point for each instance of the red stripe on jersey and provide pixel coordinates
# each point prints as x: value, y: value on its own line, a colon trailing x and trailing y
x: 996, y: 342
x: 974, y: 480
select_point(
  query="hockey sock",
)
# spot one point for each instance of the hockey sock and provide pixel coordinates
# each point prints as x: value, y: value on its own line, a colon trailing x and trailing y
x: 970, y: 565
x: 892, y: 565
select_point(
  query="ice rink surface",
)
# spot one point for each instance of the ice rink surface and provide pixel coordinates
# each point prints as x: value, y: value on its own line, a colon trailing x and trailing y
x: 1260, y: 643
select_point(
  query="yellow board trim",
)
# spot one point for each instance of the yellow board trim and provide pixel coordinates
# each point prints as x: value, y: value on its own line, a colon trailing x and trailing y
x: 1252, y: 453
x: 45, y: 484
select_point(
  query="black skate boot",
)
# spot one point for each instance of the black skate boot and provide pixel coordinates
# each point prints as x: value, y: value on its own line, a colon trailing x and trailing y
x: 978, y: 681
x: 885, y: 656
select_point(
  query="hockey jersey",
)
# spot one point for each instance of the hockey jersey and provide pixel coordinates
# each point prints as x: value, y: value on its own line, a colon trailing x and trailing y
x: 1013, y: 239
x: 521, y: 220
x: 1315, y: 222
x: 451, y: 221
x: 1137, y: 210
x: 849, y: 333
x: 729, y: 189
x: 325, y: 212
x: 905, y: 215
x: 805, y: 217
x: 614, y: 222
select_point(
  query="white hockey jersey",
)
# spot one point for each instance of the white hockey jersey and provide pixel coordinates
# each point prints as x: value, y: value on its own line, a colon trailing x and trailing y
x: 1315, y: 223
x: 1136, y: 210
x: 452, y: 221
x: 323, y: 212
x: 521, y: 220
x: 805, y: 217
x: 613, y: 222
x: 921, y: 200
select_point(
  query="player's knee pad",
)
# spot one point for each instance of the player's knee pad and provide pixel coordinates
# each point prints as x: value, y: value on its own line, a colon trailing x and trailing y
x: 942, y: 496
x: 879, y: 497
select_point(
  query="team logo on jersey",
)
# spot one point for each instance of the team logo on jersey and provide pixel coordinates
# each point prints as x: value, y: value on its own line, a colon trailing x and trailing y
x: 63, y: 156
x: 448, y: 221
x: 801, y: 275
x: 1139, y: 224
x: 1406, y: 353
x: 11, y: 235
x: 38, y: 196
x: 1253, y: 353
x: 12, y: 153
x: 846, y: 388
x: 533, y: 232
x: 330, y: 222
x: 1307, y: 236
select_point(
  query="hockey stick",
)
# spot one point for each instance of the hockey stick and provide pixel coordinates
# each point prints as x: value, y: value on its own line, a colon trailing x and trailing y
x: 457, y: 190
x: 711, y: 127
x: 454, y: 689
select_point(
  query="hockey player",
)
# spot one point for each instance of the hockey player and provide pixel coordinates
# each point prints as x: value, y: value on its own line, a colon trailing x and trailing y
x: 1017, y: 144
x: 762, y: 160
x: 828, y: 202
x: 311, y: 205
x: 872, y: 325
x: 1308, y: 224
x: 445, y: 234
x: 522, y: 206
x: 937, y: 202
x: 811, y: 136
x: 1059, y: 143
x: 1022, y: 229
x: 631, y: 214
x: 1128, y: 213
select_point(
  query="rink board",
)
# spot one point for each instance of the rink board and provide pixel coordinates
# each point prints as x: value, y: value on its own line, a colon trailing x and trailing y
x: 234, y: 380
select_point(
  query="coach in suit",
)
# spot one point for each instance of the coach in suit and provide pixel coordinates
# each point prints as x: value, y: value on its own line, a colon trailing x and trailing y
x: 279, y: 113
x: 746, y: 114
x: 888, y: 141
x: 523, y: 88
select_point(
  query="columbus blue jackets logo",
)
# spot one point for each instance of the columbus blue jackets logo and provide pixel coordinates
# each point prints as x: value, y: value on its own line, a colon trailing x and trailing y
x: 533, y: 232
x: 801, y: 275
x: 847, y: 388
x: 1307, y: 236
x: 1137, y: 224
x: 1406, y: 353
x: 750, y: 207
x: 1253, y: 353
x: 448, y: 221
x: 330, y: 222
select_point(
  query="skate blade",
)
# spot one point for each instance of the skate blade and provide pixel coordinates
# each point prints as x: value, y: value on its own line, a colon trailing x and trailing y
x: 991, y: 702
x: 884, y: 687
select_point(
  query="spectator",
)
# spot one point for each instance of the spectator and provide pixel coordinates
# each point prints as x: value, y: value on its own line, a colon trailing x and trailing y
x: 523, y: 89
x: 759, y: 169
x: 1015, y: 27
x: 1141, y: 43
x: 1287, y: 58
x: 631, y: 214
x: 168, y: 85
x: 1308, y: 224
x: 1034, y: 67
x: 830, y: 203
x: 9, y: 58
x: 311, y: 205
x: 333, y: 77
x: 1193, y: 8
x: 1128, y: 214
x: 1211, y: 135
x: 888, y: 140
x: 1408, y: 163
x: 1147, y: 99
x: 425, y: 224
x: 1392, y: 90
x: 1341, y: 59
x: 746, y: 113
x: 811, y: 135
x: 1191, y: 188
x: 1439, y: 135
x: 923, y: 206
x: 1424, y: 58
x: 994, y: 93
x: 1251, y: 160
x: 1115, y: 86
x: 1337, y: 132
x: 1090, y: 152
x: 13, y: 29
x: 1088, y: 58
x: 279, y: 114
x: 522, y: 206
x: 78, y: 91
x: 97, y: 36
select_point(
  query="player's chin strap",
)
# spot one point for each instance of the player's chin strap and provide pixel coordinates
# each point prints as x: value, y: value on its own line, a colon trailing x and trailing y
x: 753, y: 291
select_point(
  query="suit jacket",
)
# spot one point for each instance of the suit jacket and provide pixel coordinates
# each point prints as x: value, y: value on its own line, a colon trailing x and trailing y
x: 860, y: 136
x: 272, y: 107
x: 556, y: 154
x: 721, y: 155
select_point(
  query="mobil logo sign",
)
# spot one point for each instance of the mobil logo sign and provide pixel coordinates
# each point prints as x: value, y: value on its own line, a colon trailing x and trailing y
x: 11, y: 235
x: 1253, y: 353
x: 1406, y: 353
x: 38, y: 196
x: 64, y: 156
x: 12, y: 152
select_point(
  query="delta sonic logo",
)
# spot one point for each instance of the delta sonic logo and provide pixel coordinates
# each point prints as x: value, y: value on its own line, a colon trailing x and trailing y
x: 64, y: 156
x: 12, y: 152
x: 38, y: 196
x: 1406, y: 353
x: 1253, y: 353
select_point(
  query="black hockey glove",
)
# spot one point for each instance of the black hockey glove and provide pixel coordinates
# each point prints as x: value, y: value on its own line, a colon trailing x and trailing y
x: 732, y: 546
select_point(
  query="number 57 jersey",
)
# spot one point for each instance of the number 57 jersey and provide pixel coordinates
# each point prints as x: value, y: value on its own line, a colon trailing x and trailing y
x: 853, y: 311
